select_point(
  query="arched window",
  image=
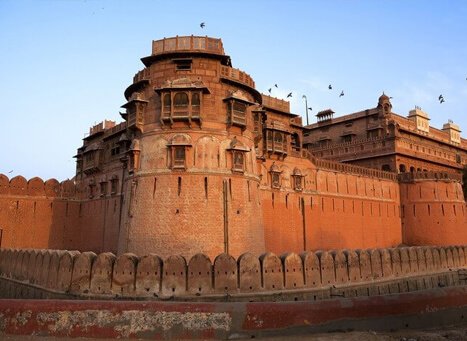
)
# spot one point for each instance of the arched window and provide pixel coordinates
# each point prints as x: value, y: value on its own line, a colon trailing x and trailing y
x: 402, y: 168
x: 167, y: 103
x: 195, y: 102
x: 181, y: 99
x: 412, y: 169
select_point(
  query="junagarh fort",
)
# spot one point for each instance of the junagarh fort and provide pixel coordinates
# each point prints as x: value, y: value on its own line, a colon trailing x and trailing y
x: 210, y: 190
x: 203, y: 162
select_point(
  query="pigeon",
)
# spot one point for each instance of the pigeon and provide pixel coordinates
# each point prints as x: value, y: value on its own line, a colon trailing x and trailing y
x: 330, y: 87
x: 269, y: 90
x: 309, y: 108
x: 289, y: 95
x: 442, y: 100
x: 440, y: 97
x: 275, y: 85
x: 342, y: 93
x: 202, y: 25
x: 10, y: 172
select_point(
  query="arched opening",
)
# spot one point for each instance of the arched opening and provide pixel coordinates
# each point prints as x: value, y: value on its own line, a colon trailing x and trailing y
x: 386, y: 168
x: 402, y: 168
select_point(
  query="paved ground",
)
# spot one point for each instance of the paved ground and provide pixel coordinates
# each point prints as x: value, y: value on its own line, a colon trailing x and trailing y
x: 458, y: 333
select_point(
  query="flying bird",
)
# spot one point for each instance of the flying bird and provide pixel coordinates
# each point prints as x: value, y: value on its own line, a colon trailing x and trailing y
x: 10, y: 171
x: 441, y: 100
x: 440, y: 97
x: 289, y: 95
x: 309, y: 108
x: 342, y: 93
x: 330, y: 87
x: 275, y: 85
x: 269, y: 90
x: 202, y: 25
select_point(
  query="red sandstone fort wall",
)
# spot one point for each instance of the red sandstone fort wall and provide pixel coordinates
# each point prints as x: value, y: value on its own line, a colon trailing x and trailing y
x: 433, y: 209
x: 150, y: 276
x: 38, y: 214
x: 334, y: 210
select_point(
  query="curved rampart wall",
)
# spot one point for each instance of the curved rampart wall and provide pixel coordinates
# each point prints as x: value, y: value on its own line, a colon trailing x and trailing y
x: 433, y: 209
x: 106, y: 275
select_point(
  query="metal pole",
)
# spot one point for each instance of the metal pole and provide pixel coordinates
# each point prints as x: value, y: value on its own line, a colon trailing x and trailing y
x: 306, y: 109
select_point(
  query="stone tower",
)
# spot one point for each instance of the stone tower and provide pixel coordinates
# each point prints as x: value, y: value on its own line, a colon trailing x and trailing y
x: 192, y: 154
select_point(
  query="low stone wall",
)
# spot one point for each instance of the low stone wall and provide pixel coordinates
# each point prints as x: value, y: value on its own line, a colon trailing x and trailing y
x: 311, y: 275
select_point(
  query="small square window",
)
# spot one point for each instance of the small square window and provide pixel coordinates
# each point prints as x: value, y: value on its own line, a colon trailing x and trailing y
x: 275, y: 180
x: 179, y: 157
x: 182, y: 64
x: 238, y: 161
x: 298, y: 182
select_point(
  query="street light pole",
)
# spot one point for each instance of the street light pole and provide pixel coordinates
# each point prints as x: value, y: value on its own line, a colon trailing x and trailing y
x: 306, y: 109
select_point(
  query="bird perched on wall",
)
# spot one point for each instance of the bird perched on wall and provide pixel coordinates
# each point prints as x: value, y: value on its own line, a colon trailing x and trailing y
x: 330, y: 87
x: 289, y: 95
x: 342, y: 93
x: 202, y: 25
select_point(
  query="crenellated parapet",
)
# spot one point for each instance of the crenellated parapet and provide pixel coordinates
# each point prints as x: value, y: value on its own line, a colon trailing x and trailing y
x: 437, y: 176
x: 36, y: 187
x: 348, y: 168
x: 310, y: 275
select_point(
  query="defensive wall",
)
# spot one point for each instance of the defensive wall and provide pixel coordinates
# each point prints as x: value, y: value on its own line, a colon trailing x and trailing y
x: 339, y: 206
x: 80, y: 294
x: 40, y: 214
x: 433, y: 209
x: 308, y: 276
x: 374, y: 209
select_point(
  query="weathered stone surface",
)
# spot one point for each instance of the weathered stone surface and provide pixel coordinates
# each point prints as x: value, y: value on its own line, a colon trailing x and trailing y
x: 174, y: 276
x: 293, y: 271
x: 225, y: 274
x: 200, y: 277
x: 81, y: 275
x: 272, y: 272
x: 148, y: 276
x: 249, y: 271
x: 124, y: 275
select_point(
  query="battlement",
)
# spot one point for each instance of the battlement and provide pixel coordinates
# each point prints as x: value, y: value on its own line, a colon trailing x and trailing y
x: 36, y: 187
x: 347, y: 168
x: 141, y: 75
x: 188, y: 43
x: 237, y: 76
x: 275, y: 103
x: 322, y: 274
x: 100, y: 127
x: 414, y: 176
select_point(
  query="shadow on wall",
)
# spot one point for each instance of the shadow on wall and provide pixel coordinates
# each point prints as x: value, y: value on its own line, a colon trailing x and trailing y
x: 150, y: 276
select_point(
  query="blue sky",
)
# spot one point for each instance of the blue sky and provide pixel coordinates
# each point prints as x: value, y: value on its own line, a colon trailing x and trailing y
x: 65, y: 64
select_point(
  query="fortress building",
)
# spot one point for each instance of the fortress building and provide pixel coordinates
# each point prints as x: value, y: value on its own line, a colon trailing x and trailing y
x: 203, y: 162
x: 378, y: 138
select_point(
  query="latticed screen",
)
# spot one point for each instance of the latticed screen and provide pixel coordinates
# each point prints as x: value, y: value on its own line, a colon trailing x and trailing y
x: 238, y: 113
